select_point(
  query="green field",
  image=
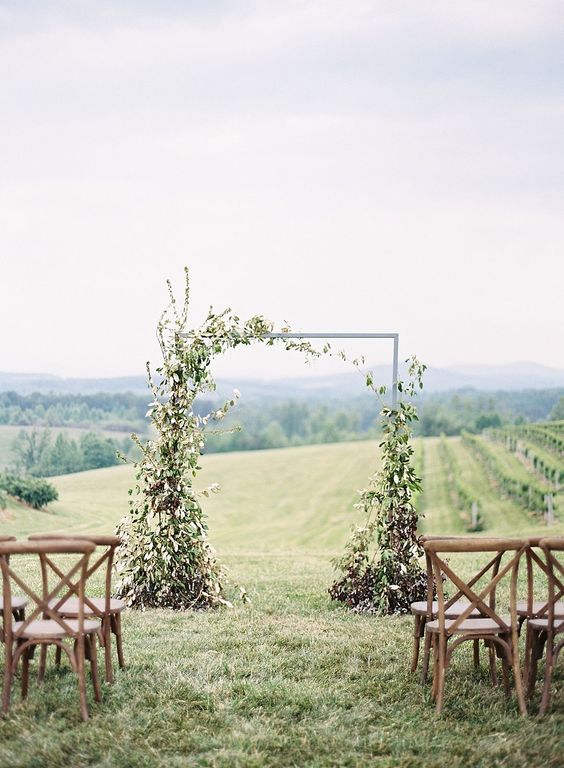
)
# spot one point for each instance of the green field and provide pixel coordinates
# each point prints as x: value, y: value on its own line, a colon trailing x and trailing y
x: 291, y: 679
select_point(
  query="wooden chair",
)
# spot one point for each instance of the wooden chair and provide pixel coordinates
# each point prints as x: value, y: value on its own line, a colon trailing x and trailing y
x: 426, y: 610
x: 107, y: 608
x: 18, y: 603
x: 500, y: 632
x: 531, y: 608
x: 44, y: 626
x: 546, y: 628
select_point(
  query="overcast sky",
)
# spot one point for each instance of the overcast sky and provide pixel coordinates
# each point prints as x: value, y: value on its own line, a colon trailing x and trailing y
x: 345, y: 166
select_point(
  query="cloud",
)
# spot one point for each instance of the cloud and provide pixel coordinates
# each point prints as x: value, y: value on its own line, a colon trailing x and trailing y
x: 299, y: 155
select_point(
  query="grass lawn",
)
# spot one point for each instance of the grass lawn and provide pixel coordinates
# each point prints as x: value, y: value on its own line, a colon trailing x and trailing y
x: 290, y: 680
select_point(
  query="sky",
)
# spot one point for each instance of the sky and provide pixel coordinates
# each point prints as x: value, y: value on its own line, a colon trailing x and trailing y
x: 346, y: 167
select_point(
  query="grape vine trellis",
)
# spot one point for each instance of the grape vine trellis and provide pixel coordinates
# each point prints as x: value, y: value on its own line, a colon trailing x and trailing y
x: 165, y: 558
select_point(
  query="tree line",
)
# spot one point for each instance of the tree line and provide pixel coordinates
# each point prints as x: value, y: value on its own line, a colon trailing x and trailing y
x: 36, y: 453
x: 255, y: 425
x: 123, y: 411
x: 264, y: 423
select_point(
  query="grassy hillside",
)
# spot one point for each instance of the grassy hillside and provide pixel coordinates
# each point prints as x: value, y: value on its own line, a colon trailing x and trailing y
x: 284, y: 499
x: 292, y: 679
x: 280, y: 499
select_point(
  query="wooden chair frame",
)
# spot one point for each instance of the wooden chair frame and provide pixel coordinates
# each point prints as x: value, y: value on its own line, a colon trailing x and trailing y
x: 18, y: 636
x: 110, y: 619
x: 544, y: 628
x: 532, y: 558
x: 18, y: 612
x: 422, y: 619
x: 504, y: 637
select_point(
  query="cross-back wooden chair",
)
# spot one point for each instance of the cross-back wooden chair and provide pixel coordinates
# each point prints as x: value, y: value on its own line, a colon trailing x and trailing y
x: 18, y: 603
x: 535, y: 562
x: 426, y: 610
x: 45, y: 626
x: 497, y: 630
x: 107, y: 608
x: 546, y: 628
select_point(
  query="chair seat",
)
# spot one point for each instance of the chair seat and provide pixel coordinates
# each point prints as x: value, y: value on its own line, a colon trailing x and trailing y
x: 17, y: 602
x: 70, y: 606
x: 471, y: 626
x: 537, y: 606
x: 540, y: 624
x: 43, y: 628
x: 456, y: 609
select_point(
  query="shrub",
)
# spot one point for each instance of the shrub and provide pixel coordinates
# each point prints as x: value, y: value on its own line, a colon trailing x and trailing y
x: 34, y: 491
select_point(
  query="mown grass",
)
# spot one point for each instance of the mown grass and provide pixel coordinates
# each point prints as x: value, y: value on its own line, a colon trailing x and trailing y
x: 290, y: 680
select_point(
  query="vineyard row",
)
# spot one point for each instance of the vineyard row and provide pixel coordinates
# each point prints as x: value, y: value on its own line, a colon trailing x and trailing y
x: 529, y: 493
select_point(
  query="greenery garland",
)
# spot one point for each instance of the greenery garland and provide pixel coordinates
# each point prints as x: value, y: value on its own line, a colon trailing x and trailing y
x: 380, y: 571
x: 165, y: 559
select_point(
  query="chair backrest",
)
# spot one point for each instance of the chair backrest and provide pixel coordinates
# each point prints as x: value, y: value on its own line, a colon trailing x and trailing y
x: 431, y: 589
x: 475, y: 590
x: 70, y: 581
x: 430, y: 577
x: 555, y: 573
x: 109, y: 543
x: 534, y: 556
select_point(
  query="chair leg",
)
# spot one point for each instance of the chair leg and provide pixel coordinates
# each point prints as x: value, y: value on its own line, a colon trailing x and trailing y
x: 441, y: 671
x: 416, y: 641
x: 549, y: 667
x: 25, y: 672
x: 493, y: 671
x: 537, y: 648
x: 94, y: 667
x: 435, y: 667
x: 58, y: 656
x: 527, y: 660
x: 8, y: 676
x: 42, y: 662
x: 505, y: 673
x: 79, y: 656
x: 426, y: 657
x: 519, y: 683
x: 119, y: 644
x: 107, y: 637
x: 520, y: 622
x: 476, y: 653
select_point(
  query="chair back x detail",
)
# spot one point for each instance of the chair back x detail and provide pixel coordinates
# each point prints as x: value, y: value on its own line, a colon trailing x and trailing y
x: 545, y: 629
x: 105, y: 559
x: 44, y: 625
x: 107, y: 609
x: 478, y: 618
x: 73, y: 580
x: 476, y: 599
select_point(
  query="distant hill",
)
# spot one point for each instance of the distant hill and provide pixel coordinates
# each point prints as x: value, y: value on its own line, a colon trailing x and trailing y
x: 510, y: 377
x: 27, y: 383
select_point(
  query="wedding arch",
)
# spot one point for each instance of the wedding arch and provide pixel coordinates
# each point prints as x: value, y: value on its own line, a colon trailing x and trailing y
x: 166, y: 559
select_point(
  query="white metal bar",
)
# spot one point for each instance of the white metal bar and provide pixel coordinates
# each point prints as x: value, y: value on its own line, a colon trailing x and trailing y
x: 394, y: 336
x: 331, y: 335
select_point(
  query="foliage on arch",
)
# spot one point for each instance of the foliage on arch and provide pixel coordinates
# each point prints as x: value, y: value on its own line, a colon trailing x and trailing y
x: 380, y: 571
x: 166, y: 560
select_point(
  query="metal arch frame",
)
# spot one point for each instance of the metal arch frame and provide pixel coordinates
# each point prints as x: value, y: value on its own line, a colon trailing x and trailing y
x: 394, y: 336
